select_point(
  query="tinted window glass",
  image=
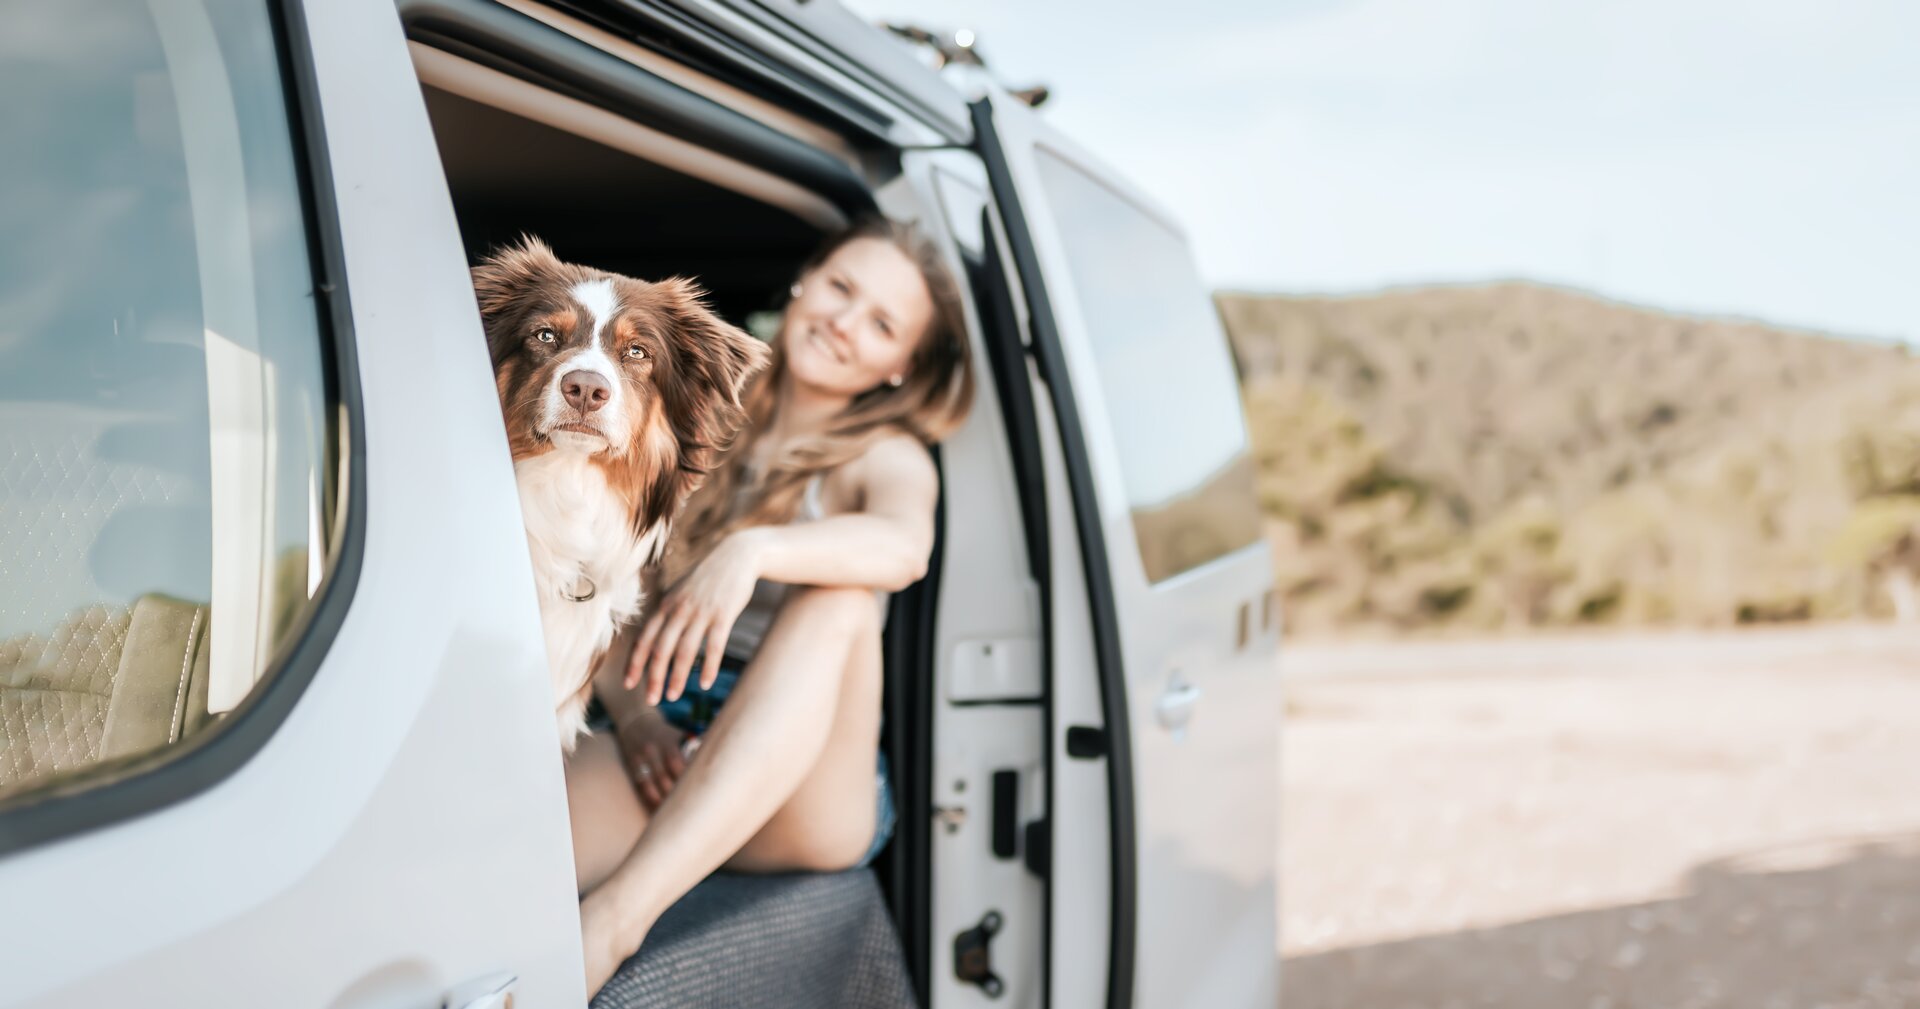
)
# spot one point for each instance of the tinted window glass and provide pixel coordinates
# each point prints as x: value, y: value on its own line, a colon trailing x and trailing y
x: 163, y: 411
x: 1169, y: 385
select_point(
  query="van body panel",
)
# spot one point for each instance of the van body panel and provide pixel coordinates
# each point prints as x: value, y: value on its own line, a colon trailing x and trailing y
x: 404, y: 831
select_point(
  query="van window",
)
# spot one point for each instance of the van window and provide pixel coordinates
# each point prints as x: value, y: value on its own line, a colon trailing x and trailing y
x: 164, y: 422
x: 1172, y: 398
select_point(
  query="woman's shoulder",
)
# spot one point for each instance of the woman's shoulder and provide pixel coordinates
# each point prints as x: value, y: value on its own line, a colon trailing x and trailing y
x: 898, y: 448
x: 896, y: 458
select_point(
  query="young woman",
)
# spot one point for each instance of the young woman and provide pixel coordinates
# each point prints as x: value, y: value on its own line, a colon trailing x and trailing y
x: 781, y: 565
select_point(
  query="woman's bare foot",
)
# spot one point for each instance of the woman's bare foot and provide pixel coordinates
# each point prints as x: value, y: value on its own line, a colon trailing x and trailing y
x: 608, y: 937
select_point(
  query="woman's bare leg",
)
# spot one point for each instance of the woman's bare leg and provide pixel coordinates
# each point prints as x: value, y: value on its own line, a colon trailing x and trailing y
x: 605, y: 811
x: 828, y: 821
x: 778, y: 740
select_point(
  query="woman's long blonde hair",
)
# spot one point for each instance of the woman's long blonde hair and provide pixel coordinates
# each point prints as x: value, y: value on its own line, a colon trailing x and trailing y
x: 932, y: 400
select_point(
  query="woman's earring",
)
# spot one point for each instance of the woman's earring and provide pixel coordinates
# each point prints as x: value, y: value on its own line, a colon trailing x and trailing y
x: 896, y: 380
x: 795, y: 290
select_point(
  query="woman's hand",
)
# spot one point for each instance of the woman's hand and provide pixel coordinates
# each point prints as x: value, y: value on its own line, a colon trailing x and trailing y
x: 701, y: 610
x: 651, y: 747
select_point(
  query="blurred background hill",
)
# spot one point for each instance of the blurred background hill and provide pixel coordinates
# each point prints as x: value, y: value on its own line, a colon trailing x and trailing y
x: 1513, y: 455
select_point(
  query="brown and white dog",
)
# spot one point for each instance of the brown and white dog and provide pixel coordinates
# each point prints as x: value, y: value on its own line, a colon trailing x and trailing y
x: 619, y: 394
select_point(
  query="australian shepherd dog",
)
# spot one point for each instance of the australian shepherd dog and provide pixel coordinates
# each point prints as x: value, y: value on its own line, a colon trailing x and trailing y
x: 619, y: 395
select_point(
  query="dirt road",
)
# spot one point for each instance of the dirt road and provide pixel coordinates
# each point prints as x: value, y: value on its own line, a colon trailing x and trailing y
x: 1696, y: 820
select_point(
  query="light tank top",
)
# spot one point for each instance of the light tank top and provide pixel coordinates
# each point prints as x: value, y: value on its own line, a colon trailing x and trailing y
x: 751, y: 627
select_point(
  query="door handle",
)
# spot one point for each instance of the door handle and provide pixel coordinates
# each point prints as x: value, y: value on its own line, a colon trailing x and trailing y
x: 1175, y: 706
x: 495, y: 991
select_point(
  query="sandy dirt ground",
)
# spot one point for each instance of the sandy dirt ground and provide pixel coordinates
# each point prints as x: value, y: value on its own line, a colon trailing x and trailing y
x: 1687, y: 821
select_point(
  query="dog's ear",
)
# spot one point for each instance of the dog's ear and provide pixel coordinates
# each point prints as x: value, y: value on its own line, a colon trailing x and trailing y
x: 504, y: 277
x: 713, y: 360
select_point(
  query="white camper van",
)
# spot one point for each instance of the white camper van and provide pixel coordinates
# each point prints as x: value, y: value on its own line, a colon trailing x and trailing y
x: 274, y: 730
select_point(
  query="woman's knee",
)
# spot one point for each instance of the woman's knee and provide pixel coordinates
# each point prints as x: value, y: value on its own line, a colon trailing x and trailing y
x: 793, y: 844
x: 855, y: 610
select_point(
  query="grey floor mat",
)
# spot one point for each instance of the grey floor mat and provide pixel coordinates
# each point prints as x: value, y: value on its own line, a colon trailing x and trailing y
x: 794, y: 941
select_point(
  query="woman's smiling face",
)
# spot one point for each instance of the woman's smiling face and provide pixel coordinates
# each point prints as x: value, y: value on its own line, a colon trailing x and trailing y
x: 857, y: 319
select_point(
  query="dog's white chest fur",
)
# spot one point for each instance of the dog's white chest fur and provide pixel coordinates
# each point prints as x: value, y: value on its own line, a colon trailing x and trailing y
x: 582, y: 540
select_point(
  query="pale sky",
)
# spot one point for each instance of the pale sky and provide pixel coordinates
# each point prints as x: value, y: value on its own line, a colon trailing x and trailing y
x: 1756, y: 158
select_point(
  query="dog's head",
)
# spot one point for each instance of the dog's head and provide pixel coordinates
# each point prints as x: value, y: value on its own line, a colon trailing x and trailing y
x: 640, y: 378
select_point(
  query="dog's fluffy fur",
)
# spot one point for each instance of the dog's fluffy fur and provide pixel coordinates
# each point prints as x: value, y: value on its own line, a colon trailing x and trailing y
x: 619, y: 396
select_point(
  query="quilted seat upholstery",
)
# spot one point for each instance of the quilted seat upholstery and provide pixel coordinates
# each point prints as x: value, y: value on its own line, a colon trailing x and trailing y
x: 108, y: 682
x: 799, y: 941
x: 54, y: 692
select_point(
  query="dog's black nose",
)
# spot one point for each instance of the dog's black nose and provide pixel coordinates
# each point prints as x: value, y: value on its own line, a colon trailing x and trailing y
x: 585, y: 390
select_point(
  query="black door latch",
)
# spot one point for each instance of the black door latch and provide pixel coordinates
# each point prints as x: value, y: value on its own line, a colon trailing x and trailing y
x: 973, y: 960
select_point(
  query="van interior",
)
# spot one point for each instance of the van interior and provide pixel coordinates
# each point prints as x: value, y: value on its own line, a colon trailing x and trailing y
x: 598, y: 205
x: 606, y: 192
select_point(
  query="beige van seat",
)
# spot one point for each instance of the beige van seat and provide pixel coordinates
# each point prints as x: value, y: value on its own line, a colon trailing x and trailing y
x: 109, y: 682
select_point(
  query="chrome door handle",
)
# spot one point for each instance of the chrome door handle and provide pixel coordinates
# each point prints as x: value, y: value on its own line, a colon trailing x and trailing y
x: 1175, y: 705
x: 495, y: 991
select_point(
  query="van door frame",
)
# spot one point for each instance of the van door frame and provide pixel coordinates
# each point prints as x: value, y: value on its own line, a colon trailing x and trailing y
x: 513, y: 43
x: 547, y: 56
x: 1115, y: 739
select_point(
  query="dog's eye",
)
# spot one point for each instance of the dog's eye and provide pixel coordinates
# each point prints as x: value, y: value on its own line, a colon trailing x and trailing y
x: 545, y: 335
x: 636, y: 353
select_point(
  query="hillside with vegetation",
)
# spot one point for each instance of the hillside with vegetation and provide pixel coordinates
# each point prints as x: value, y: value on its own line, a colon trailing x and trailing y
x: 1517, y: 456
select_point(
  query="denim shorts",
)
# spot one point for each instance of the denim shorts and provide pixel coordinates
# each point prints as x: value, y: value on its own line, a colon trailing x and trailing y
x: 697, y: 707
